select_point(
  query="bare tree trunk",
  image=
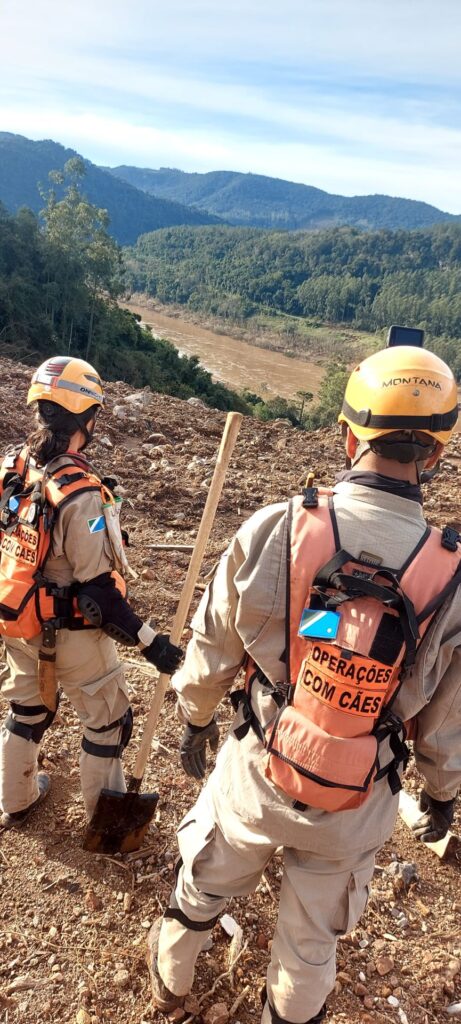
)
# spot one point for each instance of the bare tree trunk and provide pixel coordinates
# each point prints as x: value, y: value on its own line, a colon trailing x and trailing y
x: 90, y: 326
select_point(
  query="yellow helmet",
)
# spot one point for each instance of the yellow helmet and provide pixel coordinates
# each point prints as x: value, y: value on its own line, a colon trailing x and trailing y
x: 401, y: 388
x: 71, y: 383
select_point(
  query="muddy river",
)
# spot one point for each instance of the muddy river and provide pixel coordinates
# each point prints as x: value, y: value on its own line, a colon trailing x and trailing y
x: 232, y: 361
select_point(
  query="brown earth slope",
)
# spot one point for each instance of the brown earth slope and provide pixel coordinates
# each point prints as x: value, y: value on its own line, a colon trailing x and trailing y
x: 72, y: 925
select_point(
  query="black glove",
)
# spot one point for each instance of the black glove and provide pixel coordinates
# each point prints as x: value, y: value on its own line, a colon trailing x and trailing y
x: 436, y: 822
x: 193, y: 747
x: 165, y: 656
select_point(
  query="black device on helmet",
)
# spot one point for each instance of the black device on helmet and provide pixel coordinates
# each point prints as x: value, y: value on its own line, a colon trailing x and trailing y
x: 398, y: 335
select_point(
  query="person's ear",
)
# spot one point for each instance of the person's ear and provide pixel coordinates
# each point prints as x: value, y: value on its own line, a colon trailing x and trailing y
x: 351, y: 444
x: 436, y: 455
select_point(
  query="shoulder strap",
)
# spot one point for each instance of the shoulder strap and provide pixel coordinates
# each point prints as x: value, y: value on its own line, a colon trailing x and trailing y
x: 433, y: 606
x: 334, y: 522
x: 414, y: 552
x: 73, y: 476
x: 289, y: 522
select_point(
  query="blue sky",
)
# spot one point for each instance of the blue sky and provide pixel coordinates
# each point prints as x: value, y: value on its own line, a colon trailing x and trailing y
x: 353, y: 96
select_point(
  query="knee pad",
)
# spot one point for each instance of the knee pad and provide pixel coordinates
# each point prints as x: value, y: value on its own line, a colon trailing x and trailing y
x: 99, y: 749
x: 34, y: 732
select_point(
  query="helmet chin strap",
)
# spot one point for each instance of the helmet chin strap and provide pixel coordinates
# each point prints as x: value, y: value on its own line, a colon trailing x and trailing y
x: 362, y: 448
x: 406, y: 451
x: 83, y: 426
x: 427, y: 474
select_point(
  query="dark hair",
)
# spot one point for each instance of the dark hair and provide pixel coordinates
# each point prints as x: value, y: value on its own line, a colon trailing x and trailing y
x: 55, y: 429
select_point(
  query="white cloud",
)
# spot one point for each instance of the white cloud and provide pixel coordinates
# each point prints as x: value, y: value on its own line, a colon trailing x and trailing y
x: 404, y: 37
x: 206, y: 86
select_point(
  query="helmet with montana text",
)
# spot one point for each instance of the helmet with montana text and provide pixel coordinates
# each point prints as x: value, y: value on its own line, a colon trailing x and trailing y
x: 401, y: 389
x: 71, y: 383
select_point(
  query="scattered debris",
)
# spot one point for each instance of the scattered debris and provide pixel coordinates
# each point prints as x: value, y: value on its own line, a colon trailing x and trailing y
x: 50, y: 920
x: 404, y: 871
x: 229, y: 924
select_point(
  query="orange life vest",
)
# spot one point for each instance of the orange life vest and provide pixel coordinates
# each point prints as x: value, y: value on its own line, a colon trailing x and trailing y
x: 31, y: 499
x: 335, y: 706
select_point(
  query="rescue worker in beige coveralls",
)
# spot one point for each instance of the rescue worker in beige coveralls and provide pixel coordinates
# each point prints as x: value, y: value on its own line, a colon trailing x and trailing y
x: 88, y: 607
x: 399, y: 411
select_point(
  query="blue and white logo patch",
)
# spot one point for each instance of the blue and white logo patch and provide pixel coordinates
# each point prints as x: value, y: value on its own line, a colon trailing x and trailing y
x: 320, y: 625
x: 97, y: 525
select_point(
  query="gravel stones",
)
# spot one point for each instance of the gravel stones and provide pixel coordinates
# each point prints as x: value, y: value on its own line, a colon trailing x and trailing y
x: 121, y: 978
x: 384, y: 964
x: 404, y: 870
x: 217, y: 1014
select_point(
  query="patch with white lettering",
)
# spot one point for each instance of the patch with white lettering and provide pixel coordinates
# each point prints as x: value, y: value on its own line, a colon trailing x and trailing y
x: 22, y: 545
x: 346, y: 681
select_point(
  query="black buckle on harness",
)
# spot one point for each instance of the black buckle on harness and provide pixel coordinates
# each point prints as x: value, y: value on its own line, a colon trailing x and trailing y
x: 450, y: 538
x: 64, y: 617
x: 310, y: 497
x: 239, y: 699
x: 390, y: 725
x: 280, y: 694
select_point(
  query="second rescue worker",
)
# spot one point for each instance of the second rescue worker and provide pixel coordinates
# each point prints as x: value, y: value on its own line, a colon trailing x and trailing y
x: 62, y: 596
x: 346, y: 612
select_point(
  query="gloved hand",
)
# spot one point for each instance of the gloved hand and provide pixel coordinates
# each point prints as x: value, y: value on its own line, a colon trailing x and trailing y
x: 193, y: 747
x: 164, y: 655
x: 436, y: 822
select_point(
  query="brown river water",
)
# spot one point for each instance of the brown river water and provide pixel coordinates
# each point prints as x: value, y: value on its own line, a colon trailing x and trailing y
x: 232, y: 361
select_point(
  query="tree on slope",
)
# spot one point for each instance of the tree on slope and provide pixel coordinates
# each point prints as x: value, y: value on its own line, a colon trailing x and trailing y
x: 82, y: 258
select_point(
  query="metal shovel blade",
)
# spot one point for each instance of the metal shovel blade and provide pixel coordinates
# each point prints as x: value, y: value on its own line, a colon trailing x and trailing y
x: 120, y: 821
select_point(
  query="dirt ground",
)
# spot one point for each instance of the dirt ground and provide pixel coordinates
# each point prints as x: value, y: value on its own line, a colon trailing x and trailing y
x: 73, y: 925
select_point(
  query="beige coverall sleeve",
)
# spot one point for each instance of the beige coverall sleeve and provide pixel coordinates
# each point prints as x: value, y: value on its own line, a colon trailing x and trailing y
x: 227, y: 619
x: 89, y: 554
x: 438, y: 742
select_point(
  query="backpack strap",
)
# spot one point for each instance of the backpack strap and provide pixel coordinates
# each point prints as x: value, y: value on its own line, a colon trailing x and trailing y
x: 433, y: 606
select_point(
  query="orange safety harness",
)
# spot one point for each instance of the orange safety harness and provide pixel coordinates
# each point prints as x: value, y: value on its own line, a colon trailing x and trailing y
x: 335, y: 707
x: 31, y: 499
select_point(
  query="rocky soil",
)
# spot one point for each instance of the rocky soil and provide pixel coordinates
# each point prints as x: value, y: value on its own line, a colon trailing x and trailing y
x: 73, y: 925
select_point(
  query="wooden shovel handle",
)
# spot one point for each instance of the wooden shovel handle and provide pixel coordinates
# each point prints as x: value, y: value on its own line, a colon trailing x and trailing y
x: 229, y: 437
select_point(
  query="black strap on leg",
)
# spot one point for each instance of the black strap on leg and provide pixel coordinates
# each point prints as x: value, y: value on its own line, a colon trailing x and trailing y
x: 34, y: 732
x: 27, y: 710
x: 242, y: 699
x: 239, y: 699
x: 99, y: 749
x: 392, y: 727
x: 175, y: 914
x: 276, y: 1019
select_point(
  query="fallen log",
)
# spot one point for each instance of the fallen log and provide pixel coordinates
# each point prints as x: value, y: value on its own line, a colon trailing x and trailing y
x: 171, y: 547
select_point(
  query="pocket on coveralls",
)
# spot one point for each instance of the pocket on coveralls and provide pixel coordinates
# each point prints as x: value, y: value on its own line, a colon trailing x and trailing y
x: 195, y: 833
x: 104, y: 700
x: 354, y: 902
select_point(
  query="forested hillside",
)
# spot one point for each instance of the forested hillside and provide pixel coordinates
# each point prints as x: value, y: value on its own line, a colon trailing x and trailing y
x: 368, y: 280
x: 58, y: 288
x: 24, y: 164
x: 255, y: 200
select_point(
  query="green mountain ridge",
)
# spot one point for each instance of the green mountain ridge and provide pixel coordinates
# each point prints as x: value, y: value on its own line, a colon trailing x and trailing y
x: 132, y: 212
x: 255, y: 200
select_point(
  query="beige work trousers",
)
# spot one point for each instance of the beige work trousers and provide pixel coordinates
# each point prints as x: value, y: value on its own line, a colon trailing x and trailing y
x: 320, y: 900
x: 88, y: 670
